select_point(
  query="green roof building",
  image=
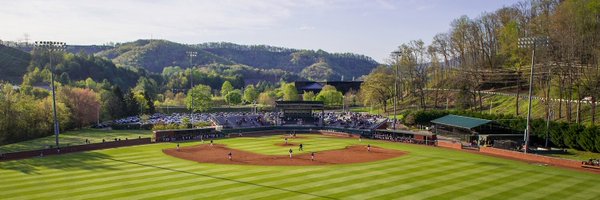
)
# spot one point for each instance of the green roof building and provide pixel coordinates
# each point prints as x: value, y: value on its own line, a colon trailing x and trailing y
x: 471, y: 130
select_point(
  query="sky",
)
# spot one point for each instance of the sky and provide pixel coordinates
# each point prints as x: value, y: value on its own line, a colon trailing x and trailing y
x: 369, y: 27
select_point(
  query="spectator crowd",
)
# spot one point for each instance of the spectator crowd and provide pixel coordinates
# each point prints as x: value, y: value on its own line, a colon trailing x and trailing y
x: 261, y: 119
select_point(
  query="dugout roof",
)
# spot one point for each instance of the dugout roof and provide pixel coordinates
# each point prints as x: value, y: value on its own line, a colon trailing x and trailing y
x: 461, y: 121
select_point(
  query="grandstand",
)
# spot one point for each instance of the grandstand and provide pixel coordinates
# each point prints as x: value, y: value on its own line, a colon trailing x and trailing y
x: 235, y: 120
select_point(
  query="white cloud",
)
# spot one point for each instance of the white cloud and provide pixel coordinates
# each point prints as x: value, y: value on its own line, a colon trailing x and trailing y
x: 306, y: 28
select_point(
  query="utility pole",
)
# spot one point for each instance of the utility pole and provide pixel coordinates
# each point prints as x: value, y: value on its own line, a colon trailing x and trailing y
x: 549, y: 106
x: 50, y: 47
x: 397, y: 54
x: 548, y: 129
x: 531, y: 43
x: 191, y: 55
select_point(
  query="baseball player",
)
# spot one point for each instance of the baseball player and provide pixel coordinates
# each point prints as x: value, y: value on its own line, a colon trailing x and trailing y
x: 177, y: 146
x: 312, y: 156
x: 368, y: 147
x: 291, y: 153
x: 229, y: 155
x: 286, y: 141
x: 300, y: 149
x: 211, y: 143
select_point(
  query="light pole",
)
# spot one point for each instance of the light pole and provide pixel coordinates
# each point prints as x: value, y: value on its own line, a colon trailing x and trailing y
x: 397, y: 54
x: 191, y: 55
x: 531, y: 42
x: 50, y: 47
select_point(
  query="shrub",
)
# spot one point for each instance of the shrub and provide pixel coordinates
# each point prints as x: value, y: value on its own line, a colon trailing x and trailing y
x: 586, y: 139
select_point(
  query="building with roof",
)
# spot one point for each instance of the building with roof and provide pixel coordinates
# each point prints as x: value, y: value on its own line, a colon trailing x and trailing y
x: 473, y: 130
x: 299, y: 110
x: 316, y: 87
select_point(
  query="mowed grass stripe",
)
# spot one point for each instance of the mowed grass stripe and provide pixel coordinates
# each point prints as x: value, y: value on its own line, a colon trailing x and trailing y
x: 565, y: 193
x: 217, y: 183
x: 368, y: 178
x: 55, y: 172
x: 556, y: 184
x: 208, y: 193
x: 468, y: 192
x: 279, y: 176
x: 175, y: 179
x: 93, y: 178
x: 417, y: 174
x: 57, y: 162
x: 379, y: 186
x: 516, y: 185
x: 474, y: 179
x: 503, y: 184
x: 203, y: 180
x: 338, y: 176
x: 300, y: 179
x: 81, y: 175
x: 272, y: 149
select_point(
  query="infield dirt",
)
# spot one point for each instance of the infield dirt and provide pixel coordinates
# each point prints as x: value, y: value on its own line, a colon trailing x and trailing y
x: 219, y: 154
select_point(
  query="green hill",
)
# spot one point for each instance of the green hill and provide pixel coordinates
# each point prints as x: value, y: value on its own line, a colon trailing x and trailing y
x: 154, y: 55
x: 13, y: 64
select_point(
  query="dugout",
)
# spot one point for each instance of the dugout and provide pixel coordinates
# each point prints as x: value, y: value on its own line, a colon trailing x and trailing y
x: 299, y: 112
x: 471, y: 129
x: 419, y: 137
x: 185, y: 134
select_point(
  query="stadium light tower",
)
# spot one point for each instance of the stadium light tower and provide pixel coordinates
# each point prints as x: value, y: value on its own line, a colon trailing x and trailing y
x: 397, y: 54
x: 50, y: 47
x: 533, y: 43
x: 191, y: 55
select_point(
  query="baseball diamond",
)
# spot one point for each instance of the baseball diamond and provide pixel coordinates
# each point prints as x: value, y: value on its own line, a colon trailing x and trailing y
x: 421, y: 172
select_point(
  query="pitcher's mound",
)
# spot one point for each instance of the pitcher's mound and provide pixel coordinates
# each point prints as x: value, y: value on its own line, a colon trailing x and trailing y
x: 289, y: 144
x: 219, y: 154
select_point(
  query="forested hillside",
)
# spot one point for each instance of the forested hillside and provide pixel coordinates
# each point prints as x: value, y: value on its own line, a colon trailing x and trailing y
x: 13, y: 64
x: 154, y: 55
x: 268, y: 57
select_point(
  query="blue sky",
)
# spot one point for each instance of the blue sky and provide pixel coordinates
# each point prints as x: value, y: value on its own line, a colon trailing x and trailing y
x: 370, y: 27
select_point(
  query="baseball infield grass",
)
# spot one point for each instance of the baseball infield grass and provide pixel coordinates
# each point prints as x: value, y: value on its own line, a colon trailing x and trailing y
x: 144, y: 172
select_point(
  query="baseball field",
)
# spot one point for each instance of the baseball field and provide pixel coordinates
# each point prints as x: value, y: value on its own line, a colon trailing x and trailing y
x: 145, y: 172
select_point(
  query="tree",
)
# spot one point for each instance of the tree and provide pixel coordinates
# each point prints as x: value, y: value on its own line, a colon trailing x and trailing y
x: 132, y: 107
x: 149, y: 104
x: 378, y: 87
x: 226, y: 88
x: 83, y: 103
x: 202, y: 97
x: 250, y: 94
x: 586, y: 139
x: 147, y: 86
x: 289, y: 92
x: 234, y: 97
x: 114, y: 103
x: 320, y: 71
x: 330, y: 96
x: 267, y: 98
x: 308, y: 96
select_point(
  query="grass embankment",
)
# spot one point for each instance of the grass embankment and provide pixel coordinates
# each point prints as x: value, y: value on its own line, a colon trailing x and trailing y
x: 425, y: 172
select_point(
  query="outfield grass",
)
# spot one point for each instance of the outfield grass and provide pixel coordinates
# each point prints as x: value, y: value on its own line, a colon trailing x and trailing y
x: 576, y: 155
x: 144, y: 172
x: 75, y: 138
